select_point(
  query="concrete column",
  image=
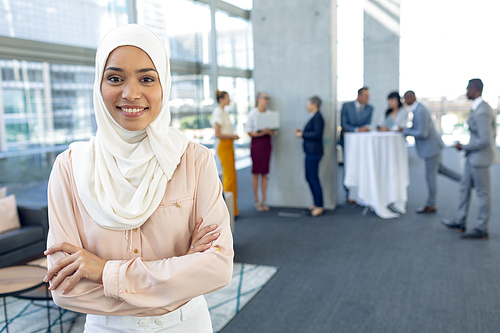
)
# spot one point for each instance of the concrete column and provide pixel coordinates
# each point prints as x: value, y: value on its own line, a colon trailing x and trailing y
x: 381, y: 52
x: 295, y: 58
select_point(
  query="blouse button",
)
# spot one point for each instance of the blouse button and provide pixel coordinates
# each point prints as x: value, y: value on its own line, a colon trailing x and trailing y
x: 159, y: 321
x: 136, y: 251
x: 143, y: 322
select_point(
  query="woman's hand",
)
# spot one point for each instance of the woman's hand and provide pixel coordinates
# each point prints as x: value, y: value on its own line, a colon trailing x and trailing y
x: 298, y: 133
x: 80, y: 264
x: 202, y: 240
x: 383, y: 129
x: 235, y: 137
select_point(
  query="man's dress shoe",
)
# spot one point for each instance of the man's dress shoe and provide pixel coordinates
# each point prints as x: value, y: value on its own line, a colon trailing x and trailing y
x: 427, y: 209
x: 476, y: 234
x: 460, y: 227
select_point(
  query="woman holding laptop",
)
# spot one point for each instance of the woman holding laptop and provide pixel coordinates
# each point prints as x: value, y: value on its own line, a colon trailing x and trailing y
x: 260, y: 150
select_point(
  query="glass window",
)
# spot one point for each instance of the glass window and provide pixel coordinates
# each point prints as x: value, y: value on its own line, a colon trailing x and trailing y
x: 69, y: 22
x: 234, y: 41
x: 191, y: 106
x: 188, y: 29
x: 32, y: 121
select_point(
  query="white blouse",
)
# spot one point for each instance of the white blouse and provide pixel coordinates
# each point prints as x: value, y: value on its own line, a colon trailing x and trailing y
x: 399, y: 121
x: 220, y: 117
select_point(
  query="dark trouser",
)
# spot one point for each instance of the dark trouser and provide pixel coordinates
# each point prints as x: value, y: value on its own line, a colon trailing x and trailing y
x: 312, y: 168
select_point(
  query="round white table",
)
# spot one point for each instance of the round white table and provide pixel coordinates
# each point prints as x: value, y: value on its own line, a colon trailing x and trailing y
x: 376, y: 171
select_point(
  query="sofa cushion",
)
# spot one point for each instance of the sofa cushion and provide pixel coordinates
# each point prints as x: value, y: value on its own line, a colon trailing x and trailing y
x: 9, y: 219
x: 20, y: 238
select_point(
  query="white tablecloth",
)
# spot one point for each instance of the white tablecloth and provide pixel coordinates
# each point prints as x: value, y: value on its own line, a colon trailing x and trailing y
x: 376, y: 170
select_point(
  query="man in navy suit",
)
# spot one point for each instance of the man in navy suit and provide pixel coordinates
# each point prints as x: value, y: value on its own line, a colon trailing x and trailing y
x: 356, y: 116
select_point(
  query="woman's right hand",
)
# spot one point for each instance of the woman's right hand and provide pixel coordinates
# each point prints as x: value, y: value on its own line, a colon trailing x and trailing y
x: 202, y: 239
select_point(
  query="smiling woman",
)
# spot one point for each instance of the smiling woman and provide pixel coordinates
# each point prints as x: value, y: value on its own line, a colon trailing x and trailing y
x: 131, y: 88
x: 138, y: 225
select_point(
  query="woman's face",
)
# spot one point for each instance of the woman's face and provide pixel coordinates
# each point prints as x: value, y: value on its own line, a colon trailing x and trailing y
x: 225, y: 101
x: 263, y: 101
x: 131, y: 88
x: 393, y: 103
x: 311, y: 107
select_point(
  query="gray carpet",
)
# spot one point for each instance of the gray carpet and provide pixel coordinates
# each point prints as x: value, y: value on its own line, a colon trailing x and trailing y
x: 344, y: 272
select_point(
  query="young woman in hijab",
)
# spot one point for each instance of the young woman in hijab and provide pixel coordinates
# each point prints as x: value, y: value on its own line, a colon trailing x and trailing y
x: 260, y: 151
x: 225, y: 136
x: 313, y: 147
x: 396, y: 115
x: 138, y: 227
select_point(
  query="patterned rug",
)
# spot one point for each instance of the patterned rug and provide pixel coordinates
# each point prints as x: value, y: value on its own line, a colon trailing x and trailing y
x: 31, y: 316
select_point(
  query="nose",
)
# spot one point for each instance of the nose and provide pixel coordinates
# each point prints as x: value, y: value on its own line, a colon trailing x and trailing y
x: 131, y: 91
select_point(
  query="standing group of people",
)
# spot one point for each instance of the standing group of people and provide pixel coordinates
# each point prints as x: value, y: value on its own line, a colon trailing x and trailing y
x: 481, y: 152
x: 356, y: 116
x: 260, y: 149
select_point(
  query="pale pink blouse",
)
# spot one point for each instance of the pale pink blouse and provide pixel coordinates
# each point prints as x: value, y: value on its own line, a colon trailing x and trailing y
x: 147, y: 272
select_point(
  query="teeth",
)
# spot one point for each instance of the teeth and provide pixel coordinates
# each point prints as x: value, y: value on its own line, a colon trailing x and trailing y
x: 132, y: 110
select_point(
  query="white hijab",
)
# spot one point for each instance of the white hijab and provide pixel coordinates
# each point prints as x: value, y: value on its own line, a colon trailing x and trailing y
x: 121, y: 176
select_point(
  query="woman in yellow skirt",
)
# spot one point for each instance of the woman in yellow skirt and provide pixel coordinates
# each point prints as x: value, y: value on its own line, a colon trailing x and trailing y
x: 225, y: 148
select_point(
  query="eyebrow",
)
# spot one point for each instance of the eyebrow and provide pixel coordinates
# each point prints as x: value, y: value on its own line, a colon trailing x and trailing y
x: 142, y: 70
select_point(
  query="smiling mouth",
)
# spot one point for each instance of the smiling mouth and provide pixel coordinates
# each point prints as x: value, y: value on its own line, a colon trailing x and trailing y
x: 132, y: 112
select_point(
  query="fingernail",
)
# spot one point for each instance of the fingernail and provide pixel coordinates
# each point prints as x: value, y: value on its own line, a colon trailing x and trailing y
x: 45, y: 279
x: 45, y: 252
x: 216, y: 234
x: 63, y: 292
x: 213, y: 226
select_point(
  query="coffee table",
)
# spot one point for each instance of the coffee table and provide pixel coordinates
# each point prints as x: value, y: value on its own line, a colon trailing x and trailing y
x: 15, y: 280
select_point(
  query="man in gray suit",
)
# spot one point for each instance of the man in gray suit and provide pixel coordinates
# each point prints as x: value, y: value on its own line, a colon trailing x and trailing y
x: 480, y: 153
x: 429, y: 145
x: 355, y: 117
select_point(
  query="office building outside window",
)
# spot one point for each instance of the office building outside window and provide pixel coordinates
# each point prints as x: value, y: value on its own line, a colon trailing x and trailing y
x: 47, y: 51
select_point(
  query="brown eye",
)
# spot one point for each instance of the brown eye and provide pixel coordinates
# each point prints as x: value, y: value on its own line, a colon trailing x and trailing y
x: 148, y: 79
x: 114, y: 79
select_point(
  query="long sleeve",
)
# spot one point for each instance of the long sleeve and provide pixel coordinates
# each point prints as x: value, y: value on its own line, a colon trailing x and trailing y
x: 483, y: 133
x: 420, y: 128
x: 344, y: 120
x: 140, y: 286
x: 401, y: 118
x: 87, y: 296
x: 177, y: 279
x: 316, y: 132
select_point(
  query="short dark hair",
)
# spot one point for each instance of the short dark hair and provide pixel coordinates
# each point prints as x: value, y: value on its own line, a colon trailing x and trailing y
x: 360, y: 91
x: 410, y: 92
x: 315, y: 100
x: 476, y: 84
